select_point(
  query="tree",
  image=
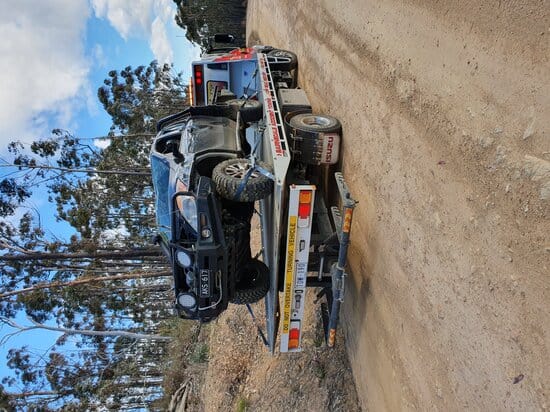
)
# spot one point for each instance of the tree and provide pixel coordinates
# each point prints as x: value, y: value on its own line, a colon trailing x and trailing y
x: 137, y: 98
x: 104, y: 288
x: 203, y: 18
x: 68, y: 288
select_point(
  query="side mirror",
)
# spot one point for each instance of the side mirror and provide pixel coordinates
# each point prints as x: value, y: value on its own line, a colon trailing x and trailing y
x: 224, y: 38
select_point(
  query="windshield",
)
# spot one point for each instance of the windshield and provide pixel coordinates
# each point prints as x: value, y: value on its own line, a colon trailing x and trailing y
x: 160, y: 173
x: 206, y: 133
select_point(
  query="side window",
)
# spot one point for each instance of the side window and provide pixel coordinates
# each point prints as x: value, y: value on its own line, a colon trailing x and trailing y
x: 217, y: 66
x: 211, y: 87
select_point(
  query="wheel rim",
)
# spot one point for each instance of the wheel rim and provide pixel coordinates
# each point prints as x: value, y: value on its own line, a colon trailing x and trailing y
x: 281, y: 56
x: 316, y: 121
x: 239, y: 170
x: 281, y: 53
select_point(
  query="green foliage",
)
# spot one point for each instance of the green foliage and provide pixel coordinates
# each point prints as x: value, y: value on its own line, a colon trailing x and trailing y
x: 11, y: 195
x: 200, y: 353
x: 137, y: 98
x: 242, y: 404
x: 203, y: 18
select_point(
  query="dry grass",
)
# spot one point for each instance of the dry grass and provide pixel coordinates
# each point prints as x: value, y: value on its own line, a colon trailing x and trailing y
x: 187, y: 361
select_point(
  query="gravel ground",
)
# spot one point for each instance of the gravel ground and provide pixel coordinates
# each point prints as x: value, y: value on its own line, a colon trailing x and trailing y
x: 445, y: 108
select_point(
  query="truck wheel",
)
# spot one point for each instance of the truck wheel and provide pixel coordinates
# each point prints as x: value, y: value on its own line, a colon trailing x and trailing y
x: 253, y: 283
x: 315, y: 123
x: 229, y: 174
x: 290, y: 64
x: 251, y: 110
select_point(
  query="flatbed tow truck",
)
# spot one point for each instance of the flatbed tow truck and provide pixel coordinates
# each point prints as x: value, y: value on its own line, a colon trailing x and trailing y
x: 304, y: 242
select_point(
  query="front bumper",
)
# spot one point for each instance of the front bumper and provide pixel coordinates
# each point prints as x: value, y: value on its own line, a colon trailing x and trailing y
x: 207, y: 277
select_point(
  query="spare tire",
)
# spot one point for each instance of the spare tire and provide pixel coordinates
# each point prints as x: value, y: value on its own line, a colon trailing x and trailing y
x: 315, y: 123
x: 284, y: 60
x: 251, y: 110
x: 253, y: 283
x: 228, y: 177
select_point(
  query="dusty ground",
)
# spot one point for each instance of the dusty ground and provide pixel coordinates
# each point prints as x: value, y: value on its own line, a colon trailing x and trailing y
x: 242, y: 373
x: 445, y: 109
x: 228, y: 368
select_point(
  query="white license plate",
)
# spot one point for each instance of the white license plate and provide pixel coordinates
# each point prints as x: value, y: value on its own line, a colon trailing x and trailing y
x: 205, y: 283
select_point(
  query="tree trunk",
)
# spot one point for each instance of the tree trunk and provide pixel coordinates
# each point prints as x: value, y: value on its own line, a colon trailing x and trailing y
x: 122, y: 254
x: 87, y: 171
x: 35, y: 393
x: 84, y: 281
x: 86, y: 332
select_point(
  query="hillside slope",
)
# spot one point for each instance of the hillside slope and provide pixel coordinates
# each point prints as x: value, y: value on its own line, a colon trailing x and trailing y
x: 446, y: 117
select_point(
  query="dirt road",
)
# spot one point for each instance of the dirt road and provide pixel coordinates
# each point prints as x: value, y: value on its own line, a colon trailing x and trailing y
x: 445, y: 109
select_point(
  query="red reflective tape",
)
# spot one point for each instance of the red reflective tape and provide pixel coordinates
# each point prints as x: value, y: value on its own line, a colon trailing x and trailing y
x: 237, y: 54
x: 347, y: 220
x: 331, y: 337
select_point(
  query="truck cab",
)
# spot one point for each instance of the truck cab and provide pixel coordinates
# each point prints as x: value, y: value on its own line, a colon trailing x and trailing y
x: 232, y: 70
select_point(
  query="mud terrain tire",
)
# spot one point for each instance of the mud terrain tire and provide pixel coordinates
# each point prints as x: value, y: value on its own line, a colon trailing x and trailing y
x: 251, y: 110
x: 253, y: 284
x: 229, y: 174
x: 315, y: 123
x: 285, y: 66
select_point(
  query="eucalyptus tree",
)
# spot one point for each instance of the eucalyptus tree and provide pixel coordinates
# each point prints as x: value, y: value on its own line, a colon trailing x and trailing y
x: 203, y: 18
x: 101, y: 279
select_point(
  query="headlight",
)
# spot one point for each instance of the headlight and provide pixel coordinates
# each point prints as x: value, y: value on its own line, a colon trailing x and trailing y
x: 187, y: 300
x: 188, y: 208
x: 183, y: 259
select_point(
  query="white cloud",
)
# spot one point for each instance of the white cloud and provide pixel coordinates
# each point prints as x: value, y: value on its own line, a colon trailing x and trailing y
x: 102, y: 143
x: 142, y: 19
x: 128, y: 17
x: 98, y: 56
x: 160, y: 45
x: 43, y: 65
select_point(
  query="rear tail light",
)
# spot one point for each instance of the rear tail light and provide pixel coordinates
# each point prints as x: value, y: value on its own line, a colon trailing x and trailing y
x: 294, y: 335
x: 304, y: 207
x: 199, y: 84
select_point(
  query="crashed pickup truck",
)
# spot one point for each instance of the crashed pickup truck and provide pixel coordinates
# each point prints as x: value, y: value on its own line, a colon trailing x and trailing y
x: 251, y: 143
x: 198, y: 160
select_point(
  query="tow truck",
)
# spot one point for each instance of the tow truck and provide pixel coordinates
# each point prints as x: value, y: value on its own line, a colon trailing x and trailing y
x: 307, y: 219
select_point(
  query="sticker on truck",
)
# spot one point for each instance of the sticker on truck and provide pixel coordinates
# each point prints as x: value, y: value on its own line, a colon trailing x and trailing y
x: 270, y: 108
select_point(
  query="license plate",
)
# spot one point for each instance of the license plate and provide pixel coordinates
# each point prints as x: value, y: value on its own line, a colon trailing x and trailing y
x: 205, y: 283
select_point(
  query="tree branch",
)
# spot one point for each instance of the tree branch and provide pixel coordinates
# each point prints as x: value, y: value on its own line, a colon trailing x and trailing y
x: 98, y: 254
x: 84, y: 281
x: 85, y: 332
x: 68, y: 170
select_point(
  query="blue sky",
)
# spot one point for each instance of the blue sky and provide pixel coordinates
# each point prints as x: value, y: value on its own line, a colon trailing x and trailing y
x: 56, y: 53
x: 54, y: 56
